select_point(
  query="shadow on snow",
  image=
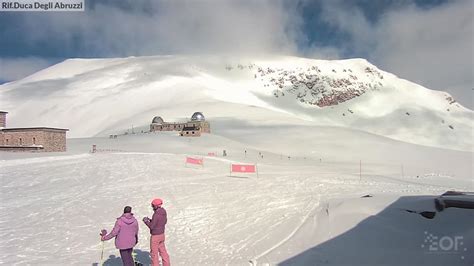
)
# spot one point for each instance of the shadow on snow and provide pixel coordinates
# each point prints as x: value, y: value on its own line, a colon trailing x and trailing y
x: 396, y: 236
x: 141, y: 256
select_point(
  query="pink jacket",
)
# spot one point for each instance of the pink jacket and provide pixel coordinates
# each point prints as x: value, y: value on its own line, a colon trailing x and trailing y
x: 125, y: 232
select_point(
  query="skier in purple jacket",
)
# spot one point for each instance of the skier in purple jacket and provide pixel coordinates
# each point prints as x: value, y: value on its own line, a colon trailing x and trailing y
x: 126, y: 235
x: 157, y: 230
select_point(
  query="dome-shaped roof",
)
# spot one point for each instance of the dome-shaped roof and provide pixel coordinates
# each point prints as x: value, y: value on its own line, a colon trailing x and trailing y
x: 198, y: 116
x: 157, y: 120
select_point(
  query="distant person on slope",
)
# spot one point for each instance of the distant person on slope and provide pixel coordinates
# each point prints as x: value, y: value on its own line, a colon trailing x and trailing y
x: 157, y: 230
x: 126, y: 235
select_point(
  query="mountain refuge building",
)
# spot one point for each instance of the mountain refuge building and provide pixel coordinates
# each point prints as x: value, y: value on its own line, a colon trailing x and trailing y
x: 45, y: 139
x: 192, y: 128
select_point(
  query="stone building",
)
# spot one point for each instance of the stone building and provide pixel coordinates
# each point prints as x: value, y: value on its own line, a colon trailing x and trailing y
x: 194, y: 127
x: 199, y: 121
x: 3, y: 119
x: 45, y: 139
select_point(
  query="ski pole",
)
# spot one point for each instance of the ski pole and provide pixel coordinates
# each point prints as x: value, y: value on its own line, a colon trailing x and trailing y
x: 102, y: 255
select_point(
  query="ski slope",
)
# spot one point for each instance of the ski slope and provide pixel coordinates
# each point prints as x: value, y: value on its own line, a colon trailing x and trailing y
x: 57, y: 203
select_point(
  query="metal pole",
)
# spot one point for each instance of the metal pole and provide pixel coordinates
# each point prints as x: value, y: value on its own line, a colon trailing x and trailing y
x: 102, y: 254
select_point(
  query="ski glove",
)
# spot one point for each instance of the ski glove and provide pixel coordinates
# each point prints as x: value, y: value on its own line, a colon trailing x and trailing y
x: 146, y: 219
x: 103, y: 232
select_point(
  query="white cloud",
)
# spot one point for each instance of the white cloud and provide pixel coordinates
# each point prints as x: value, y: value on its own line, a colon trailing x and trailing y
x: 17, y: 68
x: 322, y: 52
x: 432, y: 47
x: 175, y: 27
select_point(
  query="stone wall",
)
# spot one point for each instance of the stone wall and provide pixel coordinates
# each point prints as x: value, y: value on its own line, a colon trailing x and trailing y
x: 167, y: 127
x: 52, y: 140
x: 3, y: 119
x: 203, y: 126
x: 190, y: 133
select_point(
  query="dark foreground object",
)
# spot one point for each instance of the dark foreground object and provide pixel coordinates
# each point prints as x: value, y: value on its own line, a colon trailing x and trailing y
x: 455, y: 199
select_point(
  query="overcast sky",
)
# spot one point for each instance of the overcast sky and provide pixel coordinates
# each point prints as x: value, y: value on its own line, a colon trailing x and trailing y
x: 427, y: 41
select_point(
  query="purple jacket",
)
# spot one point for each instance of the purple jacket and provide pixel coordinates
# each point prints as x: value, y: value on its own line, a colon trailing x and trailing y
x: 125, y: 232
x: 157, y: 222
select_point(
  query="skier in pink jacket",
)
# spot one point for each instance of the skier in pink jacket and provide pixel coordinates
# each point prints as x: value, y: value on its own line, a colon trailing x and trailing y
x: 157, y: 230
x: 126, y: 235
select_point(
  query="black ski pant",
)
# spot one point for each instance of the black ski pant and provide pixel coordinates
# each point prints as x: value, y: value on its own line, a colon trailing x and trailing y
x: 126, y: 255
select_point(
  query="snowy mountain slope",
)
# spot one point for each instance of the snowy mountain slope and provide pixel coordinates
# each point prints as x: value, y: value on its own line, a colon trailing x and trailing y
x: 101, y: 96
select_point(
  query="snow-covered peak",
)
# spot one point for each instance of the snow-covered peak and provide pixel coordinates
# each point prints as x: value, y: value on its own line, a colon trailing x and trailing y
x: 101, y: 96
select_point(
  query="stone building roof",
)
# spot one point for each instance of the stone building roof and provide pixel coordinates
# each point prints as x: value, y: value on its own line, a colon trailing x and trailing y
x: 34, y: 129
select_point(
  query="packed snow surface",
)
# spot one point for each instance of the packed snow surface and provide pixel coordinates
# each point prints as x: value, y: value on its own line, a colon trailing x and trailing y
x: 303, y: 208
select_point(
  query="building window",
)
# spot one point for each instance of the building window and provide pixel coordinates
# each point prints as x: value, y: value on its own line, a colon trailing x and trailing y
x: 7, y: 141
x: 34, y: 141
x: 21, y: 142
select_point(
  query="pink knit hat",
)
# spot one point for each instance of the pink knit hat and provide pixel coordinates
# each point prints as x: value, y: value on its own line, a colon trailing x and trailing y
x: 157, y: 202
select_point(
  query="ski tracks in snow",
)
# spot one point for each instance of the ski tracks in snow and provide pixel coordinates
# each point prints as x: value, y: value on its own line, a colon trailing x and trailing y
x: 313, y: 206
x: 213, y: 218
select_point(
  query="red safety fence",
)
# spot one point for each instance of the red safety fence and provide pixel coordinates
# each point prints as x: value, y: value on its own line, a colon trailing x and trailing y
x: 191, y: 160
x: 244, y: 168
